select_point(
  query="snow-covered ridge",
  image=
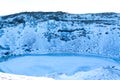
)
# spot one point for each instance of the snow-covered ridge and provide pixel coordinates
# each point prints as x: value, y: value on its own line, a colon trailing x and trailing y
x: 59, y: 32
x: 105, y: 73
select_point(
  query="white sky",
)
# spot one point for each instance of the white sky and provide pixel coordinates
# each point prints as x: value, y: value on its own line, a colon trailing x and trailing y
x: 71, y: 6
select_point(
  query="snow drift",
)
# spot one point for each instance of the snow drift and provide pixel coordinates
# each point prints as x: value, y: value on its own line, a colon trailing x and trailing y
x: 106, y: 73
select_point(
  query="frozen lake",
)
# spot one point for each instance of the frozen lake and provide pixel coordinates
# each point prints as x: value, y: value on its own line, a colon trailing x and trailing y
x: 53, y: 65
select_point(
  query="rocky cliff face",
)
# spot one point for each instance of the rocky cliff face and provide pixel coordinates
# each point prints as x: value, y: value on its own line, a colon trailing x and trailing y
x: 59, y: 32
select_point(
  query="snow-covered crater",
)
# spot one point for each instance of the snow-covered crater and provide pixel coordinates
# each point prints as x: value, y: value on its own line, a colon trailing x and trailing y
x: 59, y: 32
x: 60, y: 39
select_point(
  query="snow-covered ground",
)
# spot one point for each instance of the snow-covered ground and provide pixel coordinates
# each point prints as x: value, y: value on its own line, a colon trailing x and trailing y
x: 6, y: 76
x: 62, y: 67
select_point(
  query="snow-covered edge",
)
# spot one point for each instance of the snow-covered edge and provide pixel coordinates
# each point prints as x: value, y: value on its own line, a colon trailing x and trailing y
x: 7, y: 76
x: 103, y: 73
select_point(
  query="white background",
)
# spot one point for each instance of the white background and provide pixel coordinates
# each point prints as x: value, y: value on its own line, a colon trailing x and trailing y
x: 71, y: 6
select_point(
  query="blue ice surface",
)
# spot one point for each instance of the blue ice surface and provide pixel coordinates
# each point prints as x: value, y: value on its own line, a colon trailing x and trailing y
x: 59, y: 55
x: 51, y: 64
x: 62, y: 55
